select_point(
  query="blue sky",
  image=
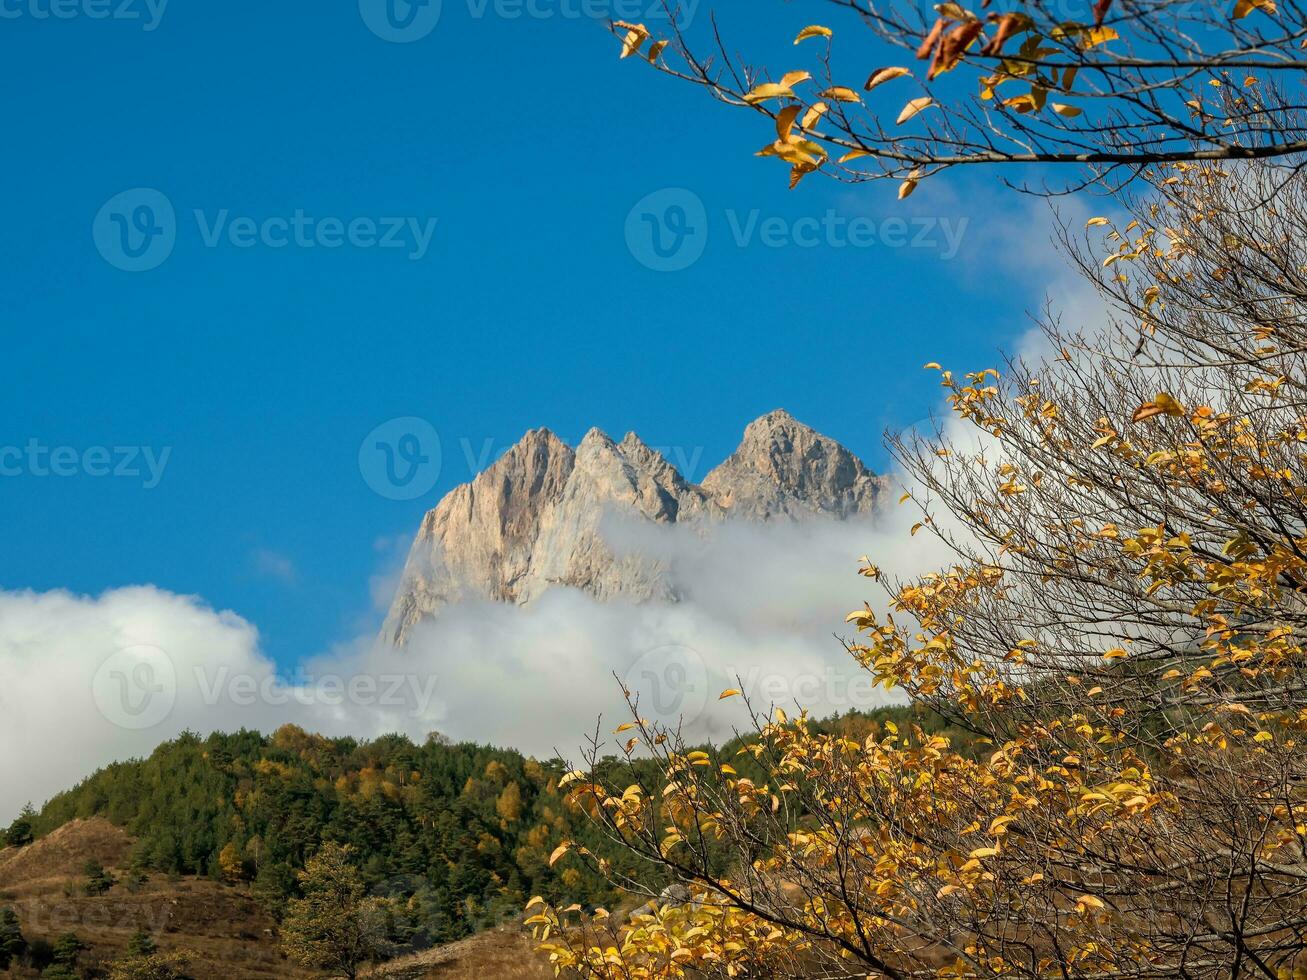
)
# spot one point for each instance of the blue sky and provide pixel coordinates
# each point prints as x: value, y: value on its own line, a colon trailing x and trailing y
x: 260, y: 367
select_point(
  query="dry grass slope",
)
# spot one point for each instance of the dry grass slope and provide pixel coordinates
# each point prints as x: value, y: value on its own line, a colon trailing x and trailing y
x: 221, y: 925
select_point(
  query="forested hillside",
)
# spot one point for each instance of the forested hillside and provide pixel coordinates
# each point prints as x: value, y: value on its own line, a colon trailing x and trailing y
x: 460, y: 833
x: 465, y: 829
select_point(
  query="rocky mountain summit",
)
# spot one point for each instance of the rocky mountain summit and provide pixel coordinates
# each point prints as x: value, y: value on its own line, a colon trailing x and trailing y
x: 544, y: 514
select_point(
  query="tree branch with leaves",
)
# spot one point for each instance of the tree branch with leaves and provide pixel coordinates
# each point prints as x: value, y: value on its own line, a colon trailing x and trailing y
x: 1121, y: 626
x: 1107, y: 87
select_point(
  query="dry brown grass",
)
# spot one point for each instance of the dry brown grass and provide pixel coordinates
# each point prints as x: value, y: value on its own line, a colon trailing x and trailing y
x: 499, y: 954
x: 228, y: 935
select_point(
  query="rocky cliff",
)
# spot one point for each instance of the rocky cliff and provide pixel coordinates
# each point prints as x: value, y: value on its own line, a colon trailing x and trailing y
x: 544, y: 514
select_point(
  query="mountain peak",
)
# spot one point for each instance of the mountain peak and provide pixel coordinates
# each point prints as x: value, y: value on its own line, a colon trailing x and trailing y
x: 536, y: 519
x: 783, y: 467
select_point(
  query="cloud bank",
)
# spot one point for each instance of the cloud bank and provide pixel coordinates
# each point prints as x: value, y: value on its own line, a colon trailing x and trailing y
x: 86, y: 680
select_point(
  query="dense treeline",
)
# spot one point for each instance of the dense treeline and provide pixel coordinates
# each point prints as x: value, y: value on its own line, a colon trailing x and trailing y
x: 466, y: 829
x: 460, y: 834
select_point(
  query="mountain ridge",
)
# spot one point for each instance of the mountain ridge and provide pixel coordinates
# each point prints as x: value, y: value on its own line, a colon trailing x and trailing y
x: 533, y: 520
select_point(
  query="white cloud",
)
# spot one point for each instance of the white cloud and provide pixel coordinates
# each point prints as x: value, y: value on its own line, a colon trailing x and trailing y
x: 86, y: 680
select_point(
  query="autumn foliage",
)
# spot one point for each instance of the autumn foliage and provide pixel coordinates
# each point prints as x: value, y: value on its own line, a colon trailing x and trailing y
x: 904, y: 90
x: 1121, y: 629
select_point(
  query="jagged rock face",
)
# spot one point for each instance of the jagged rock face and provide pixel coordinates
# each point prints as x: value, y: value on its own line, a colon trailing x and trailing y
x: 784, y: 468
x: 542, y: 515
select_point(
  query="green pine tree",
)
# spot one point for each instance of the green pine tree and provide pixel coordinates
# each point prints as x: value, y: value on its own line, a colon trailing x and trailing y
x: 12, y: 943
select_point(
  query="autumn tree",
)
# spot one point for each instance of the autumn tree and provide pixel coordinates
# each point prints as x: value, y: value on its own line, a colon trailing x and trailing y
x: 230, y: 862
x: 1122, y: 625
x: 509, y: 804
x: 334, y: 926
x: 901, y: 89
x: 151, y: 965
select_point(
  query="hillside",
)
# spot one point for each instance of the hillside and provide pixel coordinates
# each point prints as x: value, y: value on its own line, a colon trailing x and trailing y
x: 219, y: 926
x: 203, y: 844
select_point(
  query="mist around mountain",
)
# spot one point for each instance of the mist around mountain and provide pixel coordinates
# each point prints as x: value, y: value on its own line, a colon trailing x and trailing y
x: 547, y: 515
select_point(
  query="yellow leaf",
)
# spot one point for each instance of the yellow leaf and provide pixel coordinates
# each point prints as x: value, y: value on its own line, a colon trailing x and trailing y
x: 785, y: 121
x: 559, y: 851
x: 1095, y: 221
x: 635, y: 36
x: 1070, y: 111
x: 655, y: 50
x: 853, y: 155
x: 841, y: 94
x: 1162, y: 404
x: 999, y: 825
x: 769, y: 90
x: 1245, y: 7
x: 1116, y: 653
x: 792, y: 78
x: 812, y: 30
x: 1098, y: 35
x: 882, y: 75
x: 931, y: 366
x: 908, y: 186
x: 624, y: 728
x: 913, y: 107
x: 730, y: 692
x: 813, y: 114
